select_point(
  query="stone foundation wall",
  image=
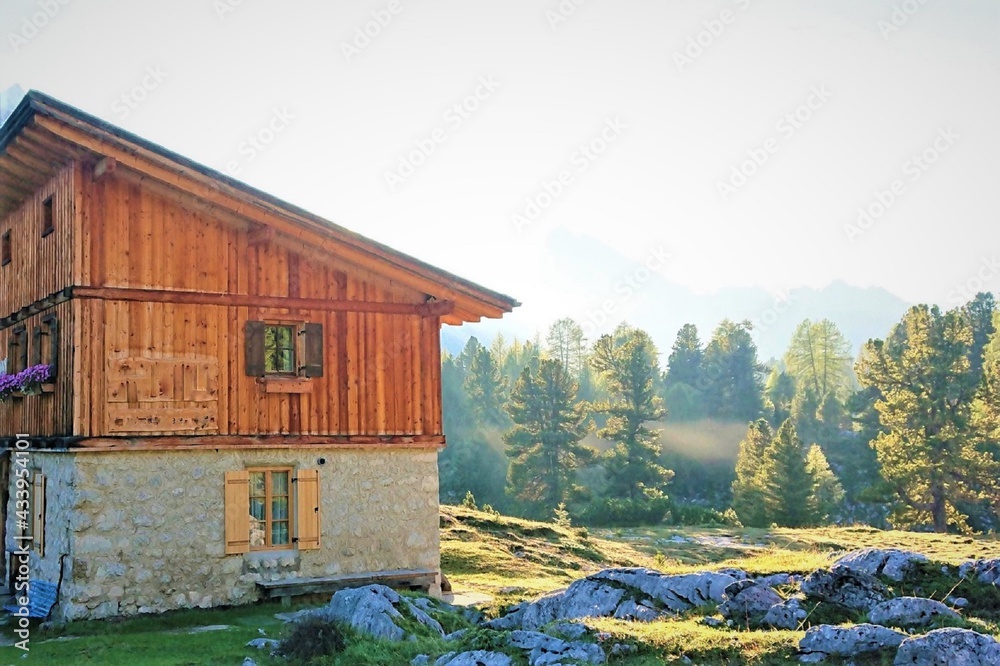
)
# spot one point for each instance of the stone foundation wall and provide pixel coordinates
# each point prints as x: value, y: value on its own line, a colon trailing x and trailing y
x: 146, y: 529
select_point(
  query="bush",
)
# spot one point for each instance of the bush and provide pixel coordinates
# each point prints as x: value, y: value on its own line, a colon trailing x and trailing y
x: 626, y: 512
x: 313, y: 637
x: 694, y: 514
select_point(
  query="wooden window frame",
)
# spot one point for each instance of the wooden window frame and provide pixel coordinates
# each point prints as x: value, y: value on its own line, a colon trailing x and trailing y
x: 268, y: 496
x: 6, y: 251
x: 48, y: 216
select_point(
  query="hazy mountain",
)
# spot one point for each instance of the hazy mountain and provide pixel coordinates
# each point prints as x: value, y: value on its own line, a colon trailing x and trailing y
x: 596, y: 276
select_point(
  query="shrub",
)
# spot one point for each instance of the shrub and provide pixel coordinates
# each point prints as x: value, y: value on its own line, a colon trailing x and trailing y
x: 626, y: 512
x: 470, y: 501
x: 313, y: 637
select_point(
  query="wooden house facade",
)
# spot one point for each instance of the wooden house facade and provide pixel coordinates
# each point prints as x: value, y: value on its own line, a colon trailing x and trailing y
x: 240, y: 394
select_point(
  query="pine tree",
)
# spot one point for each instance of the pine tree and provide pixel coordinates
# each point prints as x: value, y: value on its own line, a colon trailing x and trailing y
x: 748, y: 491
x: 684, y: 376
x: 627, y: 360
x: 733, y: 385
x: 787, y: 484
x: 544, y: 444
x: 485, y: 385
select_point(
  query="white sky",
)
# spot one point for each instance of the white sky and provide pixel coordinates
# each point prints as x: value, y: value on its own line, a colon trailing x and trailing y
x: 224, y: 73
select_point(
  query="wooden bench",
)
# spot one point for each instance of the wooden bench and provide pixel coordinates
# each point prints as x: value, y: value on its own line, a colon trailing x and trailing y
x: 400, y: 578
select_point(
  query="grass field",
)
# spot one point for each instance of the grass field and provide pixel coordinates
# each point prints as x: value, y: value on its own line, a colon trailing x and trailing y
x: 512, y: 559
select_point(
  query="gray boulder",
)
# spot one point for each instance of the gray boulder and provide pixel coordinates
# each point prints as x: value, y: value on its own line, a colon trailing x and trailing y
x: 827, y: 640
x: 949, y: 647
x: 263, y: 643
x: 910, y: 612
x: 747, y: 603
x: 545, y: 650
x: 851, y: 589
x: 786, y: 615
x: 632, y: 593
x: 893, y: 563
x: 374, y: 610
x: 774, y: 580
x: 983, y: 571
x: 474, y: 658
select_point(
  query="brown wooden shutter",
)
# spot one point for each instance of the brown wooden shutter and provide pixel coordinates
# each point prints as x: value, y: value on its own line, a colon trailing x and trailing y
x: 53, y: 324
x: 237, y: 512
x: 22, y: 348
x: 307, y: 509
x: 313, y: 366
x: 255, y: 348
x: 38, y: 513
x: 36, y: 345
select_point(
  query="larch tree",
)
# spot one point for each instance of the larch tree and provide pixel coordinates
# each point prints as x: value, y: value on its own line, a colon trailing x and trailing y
x: 627, y: 359
x: 819, y: 358
x: 544, y: 444
x: 932, y: 452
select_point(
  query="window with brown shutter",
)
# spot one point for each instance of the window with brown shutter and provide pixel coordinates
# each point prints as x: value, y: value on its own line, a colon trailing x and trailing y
x: 284, y: 349
x: 259, y: 509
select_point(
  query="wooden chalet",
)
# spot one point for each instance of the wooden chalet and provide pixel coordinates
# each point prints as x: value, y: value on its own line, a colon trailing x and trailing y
x: 238, y: 396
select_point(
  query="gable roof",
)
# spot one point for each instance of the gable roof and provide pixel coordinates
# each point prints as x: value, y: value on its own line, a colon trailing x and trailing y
x: 43, y: 134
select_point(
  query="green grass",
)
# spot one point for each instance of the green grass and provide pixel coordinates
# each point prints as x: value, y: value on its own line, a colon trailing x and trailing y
x: 512, y: 559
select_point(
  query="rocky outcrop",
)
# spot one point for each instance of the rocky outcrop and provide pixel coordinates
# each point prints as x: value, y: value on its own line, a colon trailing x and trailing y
x: 981, y: 571
x: 949, y: 647
x: 544, y: 650
x: 786, y: 615
x: 474, y: 658
x: 829, y: 641
x: 375, y: 610
x: 892, y: 563
x: 639, y: 594
x: 910, y: 612
x: 854, y: 590
x: 747, y: 603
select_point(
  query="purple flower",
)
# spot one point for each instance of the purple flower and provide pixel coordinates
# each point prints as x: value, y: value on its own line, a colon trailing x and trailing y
x: 36, y: 374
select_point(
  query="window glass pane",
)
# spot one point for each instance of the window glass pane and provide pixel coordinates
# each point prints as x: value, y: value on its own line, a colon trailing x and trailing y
x: 279, y: 483
x: 279, y: 533
x: 279, y: 508
x: 257, y: 508
x: 256, y: 484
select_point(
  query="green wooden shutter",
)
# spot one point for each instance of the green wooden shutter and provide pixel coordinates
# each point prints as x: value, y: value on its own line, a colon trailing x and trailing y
x: 313, y: 366
x: 255, y: 348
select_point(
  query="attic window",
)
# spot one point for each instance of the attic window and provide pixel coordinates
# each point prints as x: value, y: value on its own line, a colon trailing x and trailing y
x: 5, y: 251
x: 48, y: 221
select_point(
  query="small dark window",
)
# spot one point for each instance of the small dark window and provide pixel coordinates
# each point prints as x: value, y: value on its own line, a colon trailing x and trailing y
x: 48, y: 222
x: 279, y: 350
x: 5, y: 251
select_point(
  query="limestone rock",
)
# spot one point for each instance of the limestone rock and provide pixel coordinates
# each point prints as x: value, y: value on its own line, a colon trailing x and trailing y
x: 893, y: 563
x: 263, y: 643
x: 634, y: 593
x: 786, y: 615
x: 475, y: 658
x: 910, y: 612
x: 983, y: 571
x: 949, y: 647
x: 851, y: 589
x: 748, y: 603
x: 544, y: 650
x: 827, y: 640
x: 374, y: 610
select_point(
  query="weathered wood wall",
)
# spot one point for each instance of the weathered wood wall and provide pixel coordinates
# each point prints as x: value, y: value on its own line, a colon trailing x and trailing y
x: 173, y: 368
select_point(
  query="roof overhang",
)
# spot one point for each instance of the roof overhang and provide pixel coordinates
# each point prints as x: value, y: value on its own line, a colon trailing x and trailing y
x: 43, y: 135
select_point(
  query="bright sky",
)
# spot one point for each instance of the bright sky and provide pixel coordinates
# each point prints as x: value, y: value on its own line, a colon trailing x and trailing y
x: 646, y: 111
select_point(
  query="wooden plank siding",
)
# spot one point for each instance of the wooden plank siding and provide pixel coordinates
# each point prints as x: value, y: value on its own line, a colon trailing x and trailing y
x: 379, y: 373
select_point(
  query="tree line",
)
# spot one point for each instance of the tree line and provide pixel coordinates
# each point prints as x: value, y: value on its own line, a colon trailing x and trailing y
x: 904, y: 435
